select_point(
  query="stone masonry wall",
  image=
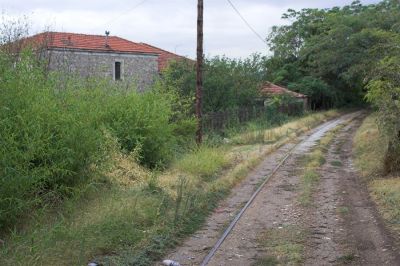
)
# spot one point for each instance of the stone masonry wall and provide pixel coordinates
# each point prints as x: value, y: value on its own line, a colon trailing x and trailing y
x: 138, y: 69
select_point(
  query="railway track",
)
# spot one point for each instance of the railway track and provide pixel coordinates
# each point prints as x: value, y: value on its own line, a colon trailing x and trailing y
x: 308, y: 141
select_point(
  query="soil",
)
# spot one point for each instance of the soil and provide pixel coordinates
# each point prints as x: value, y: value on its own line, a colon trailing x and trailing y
x: 342, y: 224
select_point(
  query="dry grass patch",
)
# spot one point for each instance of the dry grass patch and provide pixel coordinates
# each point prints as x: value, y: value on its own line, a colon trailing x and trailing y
x: 289, y: 130
x: 204, y: 162
x: 386, y: 192
x: 370, y: 148
x: 283, y: 246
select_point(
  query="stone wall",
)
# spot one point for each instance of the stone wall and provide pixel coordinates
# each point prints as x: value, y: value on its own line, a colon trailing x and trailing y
x: 140, y: 69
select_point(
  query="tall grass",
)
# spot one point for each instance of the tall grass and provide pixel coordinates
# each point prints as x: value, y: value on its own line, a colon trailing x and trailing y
x: 290, y: 128
x: 203, y: 162
x: 370, y: 150
x: 370, y: 147
x: 53, y: 133
x: 138, y: 213
x: 93, y: 150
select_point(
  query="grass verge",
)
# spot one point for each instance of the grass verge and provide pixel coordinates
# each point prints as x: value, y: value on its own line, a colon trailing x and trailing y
x: 134, y: 215
x: 288, y: 130
x: 370, y: 147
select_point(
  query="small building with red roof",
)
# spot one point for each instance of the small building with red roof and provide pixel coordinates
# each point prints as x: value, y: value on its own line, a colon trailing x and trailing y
x: 103, y: 56
x: 270, y: 90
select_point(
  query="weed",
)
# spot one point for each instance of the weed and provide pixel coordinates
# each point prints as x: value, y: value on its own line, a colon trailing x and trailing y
x: 386, y: 192
x: 370, y: 147
x: 283, y: 246
x: 346, y: 259
x: 205, y: 162
x: 336, y: 163
x: 309, y: 179
x: 289, y: 130
x: 343, y: 210
x: 139, y: 213
x: 267, y: 261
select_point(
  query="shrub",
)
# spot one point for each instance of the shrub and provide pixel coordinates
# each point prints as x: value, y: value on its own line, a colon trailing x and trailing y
x: 45, y: 147
x: 52, y: 132
x: 383, y: 93
x: 143, y: 121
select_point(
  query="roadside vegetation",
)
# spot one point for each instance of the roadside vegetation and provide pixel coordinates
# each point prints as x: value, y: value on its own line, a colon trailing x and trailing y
x: 370, y: 146
x: 330, y: 54
x: 128, y: 213
x: 91, y: 169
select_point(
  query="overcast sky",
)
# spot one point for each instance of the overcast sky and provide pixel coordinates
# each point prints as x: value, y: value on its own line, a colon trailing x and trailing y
x: 168, y: 24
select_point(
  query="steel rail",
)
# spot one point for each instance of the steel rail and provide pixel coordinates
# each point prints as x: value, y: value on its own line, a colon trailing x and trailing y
x: 227, y: 231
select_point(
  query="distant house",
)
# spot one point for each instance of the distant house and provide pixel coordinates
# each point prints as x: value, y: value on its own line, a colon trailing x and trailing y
x: 104, y: 56
x: 270, y: 90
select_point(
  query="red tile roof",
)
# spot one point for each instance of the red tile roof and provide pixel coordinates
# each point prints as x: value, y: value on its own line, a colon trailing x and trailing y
x: 97, y: 43
x: 90, y: 42
x: 272, y: 89
x: 164, y: 56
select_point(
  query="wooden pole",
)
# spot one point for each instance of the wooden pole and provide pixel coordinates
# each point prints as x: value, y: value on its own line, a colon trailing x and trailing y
x: 199, y: 68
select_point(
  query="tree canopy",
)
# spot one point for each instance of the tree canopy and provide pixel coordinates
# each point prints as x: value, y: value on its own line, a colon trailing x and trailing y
x: 329, y: 53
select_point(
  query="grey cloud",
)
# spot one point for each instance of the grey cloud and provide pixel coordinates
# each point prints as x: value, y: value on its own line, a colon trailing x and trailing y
x: 169, y: 24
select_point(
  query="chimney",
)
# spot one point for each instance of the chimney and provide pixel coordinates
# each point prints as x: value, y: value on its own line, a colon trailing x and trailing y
x: 106, y: 43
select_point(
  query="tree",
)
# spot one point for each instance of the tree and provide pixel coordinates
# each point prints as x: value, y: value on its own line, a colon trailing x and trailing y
x: 338, y: 46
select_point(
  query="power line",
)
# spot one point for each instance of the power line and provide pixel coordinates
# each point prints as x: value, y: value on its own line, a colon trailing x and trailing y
x: 245, y: 21
x: 125, y: 12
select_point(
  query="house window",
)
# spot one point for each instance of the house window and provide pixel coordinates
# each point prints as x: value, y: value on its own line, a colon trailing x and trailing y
x: 117, y: 71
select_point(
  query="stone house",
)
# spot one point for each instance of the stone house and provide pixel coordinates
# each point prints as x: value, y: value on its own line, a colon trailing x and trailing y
x: 103, y: 56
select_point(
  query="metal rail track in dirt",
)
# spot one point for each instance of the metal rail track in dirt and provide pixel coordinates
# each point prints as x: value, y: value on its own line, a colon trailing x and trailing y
x: 228, y: 230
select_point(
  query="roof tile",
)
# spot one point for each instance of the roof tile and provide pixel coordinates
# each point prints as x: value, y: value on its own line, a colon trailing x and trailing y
x: 272, y: 89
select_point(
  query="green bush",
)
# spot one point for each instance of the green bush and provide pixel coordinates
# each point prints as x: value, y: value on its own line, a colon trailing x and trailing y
x: 142, y: 121
x: 45, y: 147
x: 52, y: 132
x: 384, y: 94
x: 228, y: 83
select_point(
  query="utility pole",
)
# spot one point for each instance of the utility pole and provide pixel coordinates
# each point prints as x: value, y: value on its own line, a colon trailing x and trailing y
x: 199, y: 68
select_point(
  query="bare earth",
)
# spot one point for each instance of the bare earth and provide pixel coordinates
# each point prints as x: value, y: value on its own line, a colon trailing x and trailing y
x: 343, y: 224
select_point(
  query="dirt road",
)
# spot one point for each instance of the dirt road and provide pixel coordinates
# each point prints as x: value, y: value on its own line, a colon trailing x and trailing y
x: 341, y: 226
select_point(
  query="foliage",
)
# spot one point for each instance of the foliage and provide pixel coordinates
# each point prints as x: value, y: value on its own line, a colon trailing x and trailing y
x: 284, y: 245
x: 387, y: 193
x: 228, y: 83
x: 204, y: 162
x: 384, y: 94
x: 40, y: 155
x: 332, y: 51
x: 52, y: 132
x: 137, y: 221
x: 320, y: 94
x: 370, y: 149
x: 285, y: 104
